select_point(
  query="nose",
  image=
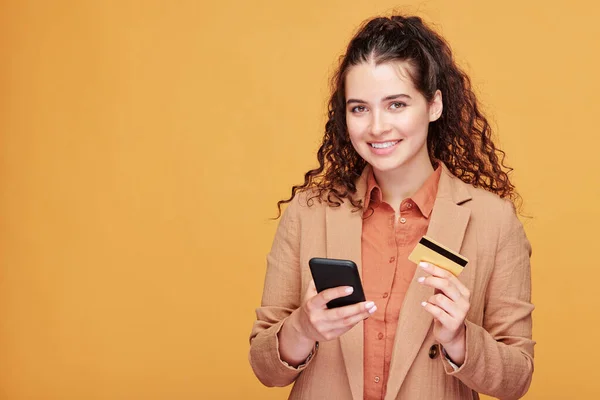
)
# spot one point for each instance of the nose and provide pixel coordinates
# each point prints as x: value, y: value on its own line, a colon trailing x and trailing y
x: 378, y: 123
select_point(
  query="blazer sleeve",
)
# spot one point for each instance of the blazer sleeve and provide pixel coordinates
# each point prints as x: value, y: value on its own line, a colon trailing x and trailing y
x: 282, y: 295
x: 499, y: 354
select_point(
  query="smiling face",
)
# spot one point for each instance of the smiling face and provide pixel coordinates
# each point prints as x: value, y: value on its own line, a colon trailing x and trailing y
x: 387, y: 117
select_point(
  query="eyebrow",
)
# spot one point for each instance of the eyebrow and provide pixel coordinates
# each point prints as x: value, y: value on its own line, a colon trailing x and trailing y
x: 386, y: 98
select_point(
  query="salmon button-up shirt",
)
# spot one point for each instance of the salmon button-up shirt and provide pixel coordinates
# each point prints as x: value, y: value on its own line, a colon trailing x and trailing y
x: 387, y: 240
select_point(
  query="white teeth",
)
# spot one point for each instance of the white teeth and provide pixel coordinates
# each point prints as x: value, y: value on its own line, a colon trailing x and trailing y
x: 383, y: 145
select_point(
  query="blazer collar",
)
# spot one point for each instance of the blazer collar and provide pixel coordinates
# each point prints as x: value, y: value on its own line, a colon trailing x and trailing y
x: 447, y: 225
x: 453, y: 188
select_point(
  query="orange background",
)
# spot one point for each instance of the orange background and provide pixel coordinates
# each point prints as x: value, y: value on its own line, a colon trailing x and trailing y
x: 143, y: 145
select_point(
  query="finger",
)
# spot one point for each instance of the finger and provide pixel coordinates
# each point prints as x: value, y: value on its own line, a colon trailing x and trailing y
x: 350, y: 321
x: 341, y: 319
x: 442, y: 316
x: 435, y: 270
x: 442, y: 284
x: 451, y: 308
x: 442, y: 273
x: 320, y: 300
x: 341, y: 313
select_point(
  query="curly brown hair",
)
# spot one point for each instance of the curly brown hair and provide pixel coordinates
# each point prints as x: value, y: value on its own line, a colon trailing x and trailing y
x: 461, y: 138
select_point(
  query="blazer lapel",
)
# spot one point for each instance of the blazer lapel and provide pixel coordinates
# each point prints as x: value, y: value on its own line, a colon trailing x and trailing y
x: 344, y: 231
x: 447, y: 225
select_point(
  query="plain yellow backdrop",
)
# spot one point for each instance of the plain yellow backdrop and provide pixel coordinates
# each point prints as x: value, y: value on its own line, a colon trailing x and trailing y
x: 143, y: 145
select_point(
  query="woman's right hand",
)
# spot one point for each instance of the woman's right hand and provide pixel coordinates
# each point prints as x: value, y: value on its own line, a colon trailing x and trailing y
x: 318, y: 323
x: 314, y: 322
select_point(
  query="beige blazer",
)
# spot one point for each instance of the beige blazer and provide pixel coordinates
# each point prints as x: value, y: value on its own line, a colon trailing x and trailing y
x: 478, y: 224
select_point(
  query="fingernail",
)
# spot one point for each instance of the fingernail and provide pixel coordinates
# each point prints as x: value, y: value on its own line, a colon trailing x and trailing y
x: 369, y: 304
x: 421, y: 279
x: 424, y: 304
x: 349, y: 289
x: 372, y: 310
x: 423, y: 264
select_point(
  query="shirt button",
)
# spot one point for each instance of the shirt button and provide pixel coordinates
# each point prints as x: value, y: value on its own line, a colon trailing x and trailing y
x: 392, y: 259
x: 385, y: 295
x: 402, y: 220
x: 376, y: 379
x: 380, y: 336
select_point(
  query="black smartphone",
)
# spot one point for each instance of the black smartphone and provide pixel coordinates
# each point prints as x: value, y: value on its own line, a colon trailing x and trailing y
x: 329, y: 273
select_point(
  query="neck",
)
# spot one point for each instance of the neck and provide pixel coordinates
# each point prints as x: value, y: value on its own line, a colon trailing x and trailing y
x: 403, y: 182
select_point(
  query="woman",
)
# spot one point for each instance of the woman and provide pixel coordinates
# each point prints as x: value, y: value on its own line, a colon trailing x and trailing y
x: 406, y: 152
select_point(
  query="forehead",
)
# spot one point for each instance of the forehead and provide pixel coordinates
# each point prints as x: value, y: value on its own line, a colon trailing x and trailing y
x: 370, y: 81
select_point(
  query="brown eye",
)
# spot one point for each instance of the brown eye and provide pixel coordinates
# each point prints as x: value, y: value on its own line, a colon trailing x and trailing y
x: 358, y: 109
x: 397, y: 105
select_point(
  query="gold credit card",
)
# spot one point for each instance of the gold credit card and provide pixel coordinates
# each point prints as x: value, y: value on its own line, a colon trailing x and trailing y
x: 432, y: 252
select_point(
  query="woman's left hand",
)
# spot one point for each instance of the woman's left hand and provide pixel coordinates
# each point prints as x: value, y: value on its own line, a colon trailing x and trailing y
x: 448, y: 306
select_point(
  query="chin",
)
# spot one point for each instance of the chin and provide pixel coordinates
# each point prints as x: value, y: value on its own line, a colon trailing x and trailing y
x: 389, y: 163
x: 398, y: 160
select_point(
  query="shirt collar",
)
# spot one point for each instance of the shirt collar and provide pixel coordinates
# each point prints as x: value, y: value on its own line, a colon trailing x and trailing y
x: 424, y: 198
x: 373, y: 197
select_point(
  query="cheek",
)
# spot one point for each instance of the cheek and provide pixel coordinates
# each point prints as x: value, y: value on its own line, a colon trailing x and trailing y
x: 415, y: 124
x: 357, y: 127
